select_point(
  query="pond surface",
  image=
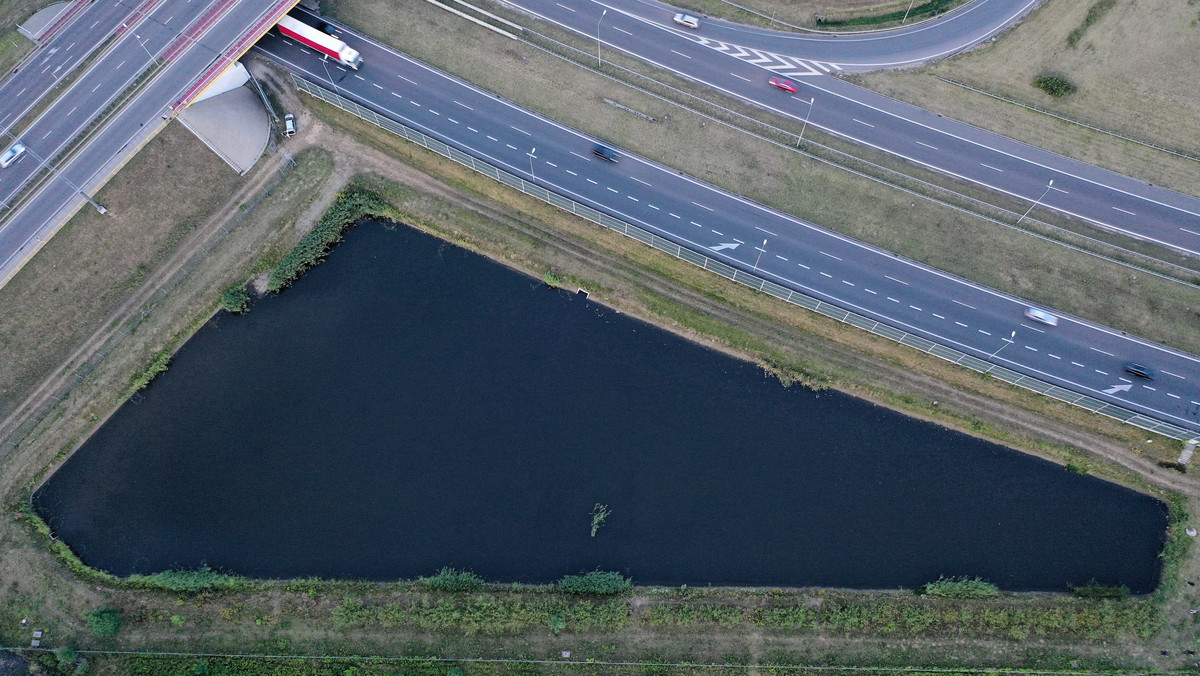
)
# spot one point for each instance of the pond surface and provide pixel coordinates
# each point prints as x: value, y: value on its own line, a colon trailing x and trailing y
x: 409, y: 405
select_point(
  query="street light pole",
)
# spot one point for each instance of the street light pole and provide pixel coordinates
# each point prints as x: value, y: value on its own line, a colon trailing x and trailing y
x: 910, y: 4
x: 800, y: 138
x: 138, y: 39
x: 531, y: 156
x: 598, y: 63
x: 1036, y: 202
x: 760, y: 253
x: 66, y: 180
x: 1007, y: 341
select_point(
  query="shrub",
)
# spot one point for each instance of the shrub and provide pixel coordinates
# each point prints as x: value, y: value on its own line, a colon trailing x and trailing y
x: 451, y: 580
x: 1057, y: 86
x: 188, y: 581
x: 552, y: 280
x: 235, y: 300
x: 961, y: 588
x: 1100, y: 591
x: 596, y: 582
x: 353, y: 204
x: 104, y: 622
x: 66, y: 655
x: 157, y: 366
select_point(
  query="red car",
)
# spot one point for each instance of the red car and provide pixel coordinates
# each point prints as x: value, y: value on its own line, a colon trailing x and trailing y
x: 783, y: 83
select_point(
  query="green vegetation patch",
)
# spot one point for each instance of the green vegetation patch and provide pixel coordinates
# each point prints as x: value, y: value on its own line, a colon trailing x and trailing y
x: 1055, y: 85
x: 235, y: 300
x: 484, y: 614
x: 157, y: 366
x: 600, y: 583
x: 352, y: 205
x: 1095, y: 13
x: 451, y: 580
x: 104, y: 622
x: 189, y: 581
x: 961, y: 588
x: 926, y: 9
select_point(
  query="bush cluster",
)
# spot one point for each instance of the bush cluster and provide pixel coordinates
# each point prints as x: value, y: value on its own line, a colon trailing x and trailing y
x: 104, y: 622
x: 188, y: 581
x: 157, y: 366
x: 960, y: 588
x: 599, y: 583
x: 235, y: 300
x: 1057, y: 86
x: 352, y: 205
x: 451, y: 580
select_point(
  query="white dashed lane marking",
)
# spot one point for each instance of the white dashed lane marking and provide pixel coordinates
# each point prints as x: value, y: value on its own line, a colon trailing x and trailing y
x: 901, y: 281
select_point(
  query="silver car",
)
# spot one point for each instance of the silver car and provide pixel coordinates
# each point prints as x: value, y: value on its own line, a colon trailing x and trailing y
x: 14, y: 152
x: 1041, y: 316
x: 687, y: 20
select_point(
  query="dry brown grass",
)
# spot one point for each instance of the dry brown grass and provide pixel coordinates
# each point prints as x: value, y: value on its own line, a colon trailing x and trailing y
x: 1135, y: 68
x: 67, y: 292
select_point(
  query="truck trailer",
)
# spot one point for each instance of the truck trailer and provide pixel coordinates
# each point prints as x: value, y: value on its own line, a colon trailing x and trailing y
x: 320, y: 41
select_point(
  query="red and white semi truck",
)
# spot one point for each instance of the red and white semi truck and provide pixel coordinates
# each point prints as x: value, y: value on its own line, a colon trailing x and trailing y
x: 320, y: 41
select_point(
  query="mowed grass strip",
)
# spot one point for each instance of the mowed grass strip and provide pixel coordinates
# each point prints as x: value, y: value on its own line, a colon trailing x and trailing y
x: 1135, y: 68
x: 942, y: 237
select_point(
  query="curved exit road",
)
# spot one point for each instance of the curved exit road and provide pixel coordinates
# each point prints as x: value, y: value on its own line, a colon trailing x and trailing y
x: 737, y: 61
x: 1077, y: 355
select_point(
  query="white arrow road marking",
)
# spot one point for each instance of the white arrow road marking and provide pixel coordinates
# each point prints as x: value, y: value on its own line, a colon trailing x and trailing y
x: 1118, y: 388
x: 725, y: 245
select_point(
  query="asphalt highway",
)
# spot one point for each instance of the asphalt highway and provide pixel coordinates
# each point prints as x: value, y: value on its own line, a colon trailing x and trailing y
x: 741, y: 69
x: 31, y: 224
x: 1077, y: 355
x: 58, y: 58
x: 95, y: 90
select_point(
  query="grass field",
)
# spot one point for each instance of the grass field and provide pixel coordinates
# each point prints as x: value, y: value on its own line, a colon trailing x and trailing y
x: 1135, y: 69
x: 110, y: 256
x: 1016, y: 263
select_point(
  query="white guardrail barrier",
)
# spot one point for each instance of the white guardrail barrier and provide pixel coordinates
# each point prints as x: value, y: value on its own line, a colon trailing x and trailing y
x: 752, y: 281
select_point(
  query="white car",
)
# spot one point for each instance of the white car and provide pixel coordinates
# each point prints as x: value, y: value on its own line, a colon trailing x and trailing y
x: 687, y: 20
x: 1041, y: 316
x: 11, y: 155
x: 289, y: 125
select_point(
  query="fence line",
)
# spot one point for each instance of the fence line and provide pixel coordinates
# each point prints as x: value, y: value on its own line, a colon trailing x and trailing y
x: 752, y: 281
x: 132, y: 322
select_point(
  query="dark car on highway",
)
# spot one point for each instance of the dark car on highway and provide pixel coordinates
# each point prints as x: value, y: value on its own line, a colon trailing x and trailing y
x: 605, y: 153
x: 1139, y: 371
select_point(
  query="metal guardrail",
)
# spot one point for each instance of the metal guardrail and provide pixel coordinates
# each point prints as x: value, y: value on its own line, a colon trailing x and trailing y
x: 752, y: 281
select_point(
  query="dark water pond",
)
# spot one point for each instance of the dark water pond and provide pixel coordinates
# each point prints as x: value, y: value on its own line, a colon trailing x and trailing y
x: 409, y: 406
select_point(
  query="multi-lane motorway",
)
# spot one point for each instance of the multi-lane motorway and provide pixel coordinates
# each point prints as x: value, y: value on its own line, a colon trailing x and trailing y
x: 955, y: 312
x: 738, y: 61
x: 59, y: 57
x: 130, y: 57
